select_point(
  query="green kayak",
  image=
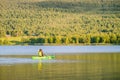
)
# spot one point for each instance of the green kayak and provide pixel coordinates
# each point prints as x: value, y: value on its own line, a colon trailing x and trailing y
x: 44, y: 57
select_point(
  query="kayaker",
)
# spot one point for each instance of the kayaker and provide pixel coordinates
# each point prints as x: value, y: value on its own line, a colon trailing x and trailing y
x: 40, y: 53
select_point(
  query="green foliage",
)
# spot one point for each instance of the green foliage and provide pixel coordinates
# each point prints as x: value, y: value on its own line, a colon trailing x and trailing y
x: 6, y: 42
x: 61, y: 21
x: 24, y: 40
x: 50, y: 40
x: 2, y: 33
x: 113, y: 38
x: 96, y: 39
x: 1, y: 42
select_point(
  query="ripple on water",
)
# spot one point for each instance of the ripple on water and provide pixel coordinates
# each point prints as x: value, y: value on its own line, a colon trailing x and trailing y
x: 10, y: 61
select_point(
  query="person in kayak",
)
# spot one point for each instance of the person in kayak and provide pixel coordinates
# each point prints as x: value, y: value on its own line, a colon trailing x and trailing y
x: 40, y: 53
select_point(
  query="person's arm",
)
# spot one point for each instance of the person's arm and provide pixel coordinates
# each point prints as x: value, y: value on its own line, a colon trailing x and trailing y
x: 42, y: 53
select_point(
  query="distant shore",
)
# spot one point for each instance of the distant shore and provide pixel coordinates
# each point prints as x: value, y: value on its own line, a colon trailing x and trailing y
x: 41, y: 41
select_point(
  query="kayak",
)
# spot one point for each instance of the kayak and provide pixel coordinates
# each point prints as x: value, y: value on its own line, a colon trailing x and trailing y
x: 44, y: 57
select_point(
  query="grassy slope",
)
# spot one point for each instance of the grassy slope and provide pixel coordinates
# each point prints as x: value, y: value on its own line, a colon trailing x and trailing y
x: 60, y: 17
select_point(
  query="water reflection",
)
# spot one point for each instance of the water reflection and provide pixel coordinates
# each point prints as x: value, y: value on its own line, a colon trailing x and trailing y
x: 64, y: 67
x: 39, y: 65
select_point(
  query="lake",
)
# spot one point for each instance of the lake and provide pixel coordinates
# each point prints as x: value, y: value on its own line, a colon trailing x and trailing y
x: 70, y: 63
x: 32, y: 50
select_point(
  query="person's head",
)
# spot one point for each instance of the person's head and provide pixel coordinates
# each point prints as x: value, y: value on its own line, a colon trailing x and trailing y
x: 40, y: 49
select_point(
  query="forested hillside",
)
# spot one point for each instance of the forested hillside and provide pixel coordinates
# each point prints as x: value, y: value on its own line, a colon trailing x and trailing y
x: 60, y: 21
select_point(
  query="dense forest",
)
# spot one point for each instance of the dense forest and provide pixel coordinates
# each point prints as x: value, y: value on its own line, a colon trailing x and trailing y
x: 59, y: 21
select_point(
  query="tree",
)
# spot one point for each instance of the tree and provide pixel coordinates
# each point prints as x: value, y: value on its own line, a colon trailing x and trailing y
x: 1, y: 42
x: 50, y: 40
x: 113, y: 38
x: 2, y: 33
x: 40, y: 40
x: 95, y: 39
x: 58, y: 39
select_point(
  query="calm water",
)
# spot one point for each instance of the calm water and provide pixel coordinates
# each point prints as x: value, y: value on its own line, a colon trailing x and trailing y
x: 71, y: 63
x: 32, y: 50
